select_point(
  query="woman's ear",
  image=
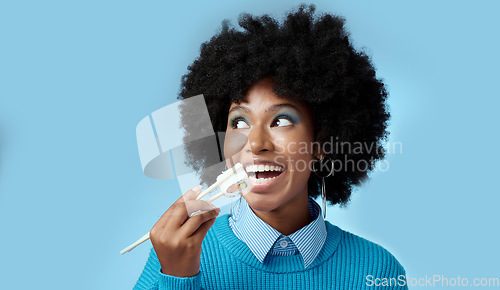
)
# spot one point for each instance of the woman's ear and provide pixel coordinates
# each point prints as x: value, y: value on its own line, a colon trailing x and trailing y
x: 317, y: 150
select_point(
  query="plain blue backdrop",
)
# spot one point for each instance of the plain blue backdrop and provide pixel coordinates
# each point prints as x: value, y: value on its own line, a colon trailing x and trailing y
x: 77, y: 77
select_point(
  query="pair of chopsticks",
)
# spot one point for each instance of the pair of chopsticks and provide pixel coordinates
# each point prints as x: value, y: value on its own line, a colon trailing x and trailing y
x: 225, y: 176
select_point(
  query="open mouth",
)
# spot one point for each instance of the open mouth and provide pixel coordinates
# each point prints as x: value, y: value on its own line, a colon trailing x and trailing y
x: 263, y: 173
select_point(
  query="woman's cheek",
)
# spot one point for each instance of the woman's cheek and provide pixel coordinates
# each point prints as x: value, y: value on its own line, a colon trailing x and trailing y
x: 234, y: 145
x: 280, y: 144
x: 281, y: 160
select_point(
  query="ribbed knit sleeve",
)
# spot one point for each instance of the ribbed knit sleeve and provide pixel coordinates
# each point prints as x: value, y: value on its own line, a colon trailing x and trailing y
x: 153, y: 279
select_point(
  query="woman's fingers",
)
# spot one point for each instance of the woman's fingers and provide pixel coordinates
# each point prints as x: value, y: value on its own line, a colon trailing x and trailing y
x: 184, y: 211
x: 178, y: 252
x: 191, y: 194
x: 202, y: 230
x: 186, y: 215
x: 178, y: 211
x: 194, y: 222
x: 193, y: 206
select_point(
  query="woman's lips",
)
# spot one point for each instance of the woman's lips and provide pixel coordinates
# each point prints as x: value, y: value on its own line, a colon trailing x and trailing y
x: 264, y: 168
x: 263, y: 185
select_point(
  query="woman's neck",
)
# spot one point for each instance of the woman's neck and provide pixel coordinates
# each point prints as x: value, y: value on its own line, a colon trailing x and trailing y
x: 289, y: 217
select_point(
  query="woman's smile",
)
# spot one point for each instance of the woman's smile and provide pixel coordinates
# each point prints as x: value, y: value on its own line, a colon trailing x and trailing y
x: 276, y: 128
x: 264, y: 175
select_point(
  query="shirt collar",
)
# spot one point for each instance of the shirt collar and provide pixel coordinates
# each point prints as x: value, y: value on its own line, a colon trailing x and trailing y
x: 260, y: 237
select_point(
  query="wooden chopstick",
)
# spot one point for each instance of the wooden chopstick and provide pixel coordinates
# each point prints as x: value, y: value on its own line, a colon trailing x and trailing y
x: 210, y: 188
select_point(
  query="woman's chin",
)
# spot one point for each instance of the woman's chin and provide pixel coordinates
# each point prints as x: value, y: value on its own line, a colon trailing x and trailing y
x: 260, y: 202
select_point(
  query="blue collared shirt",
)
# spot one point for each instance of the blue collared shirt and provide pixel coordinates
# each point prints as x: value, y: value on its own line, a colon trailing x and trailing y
x: 262, y: 239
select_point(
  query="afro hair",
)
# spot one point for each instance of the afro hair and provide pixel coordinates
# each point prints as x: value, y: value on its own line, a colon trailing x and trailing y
x: 311, y: 59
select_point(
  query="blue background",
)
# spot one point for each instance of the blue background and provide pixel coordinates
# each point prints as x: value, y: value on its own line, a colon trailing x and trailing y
x: 76, y: 78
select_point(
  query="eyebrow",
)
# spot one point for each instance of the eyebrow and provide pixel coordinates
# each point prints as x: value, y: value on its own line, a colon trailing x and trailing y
x: 273, y: 108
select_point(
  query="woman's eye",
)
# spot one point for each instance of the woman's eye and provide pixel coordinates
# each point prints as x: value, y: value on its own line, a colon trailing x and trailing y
x: 281, y: 122
x: 240, y: 124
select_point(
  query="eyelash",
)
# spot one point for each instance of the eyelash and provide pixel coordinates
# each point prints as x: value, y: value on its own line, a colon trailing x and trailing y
x: 234, y: 121
x: 285, y: 117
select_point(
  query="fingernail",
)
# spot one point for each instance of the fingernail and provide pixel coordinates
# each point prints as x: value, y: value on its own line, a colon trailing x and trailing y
x: 197, y: 188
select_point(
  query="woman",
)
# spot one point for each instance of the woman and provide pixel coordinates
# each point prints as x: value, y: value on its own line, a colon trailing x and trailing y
x: 286, y: 87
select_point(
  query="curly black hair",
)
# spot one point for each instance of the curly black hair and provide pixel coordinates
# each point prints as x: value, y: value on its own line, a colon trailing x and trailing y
x: 311, y: 59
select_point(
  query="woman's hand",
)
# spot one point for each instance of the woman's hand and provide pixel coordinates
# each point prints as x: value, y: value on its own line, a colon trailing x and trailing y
x: 177, y: 237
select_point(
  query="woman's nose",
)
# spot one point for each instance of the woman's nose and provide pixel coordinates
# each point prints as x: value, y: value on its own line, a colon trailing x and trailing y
x: 260, y: 140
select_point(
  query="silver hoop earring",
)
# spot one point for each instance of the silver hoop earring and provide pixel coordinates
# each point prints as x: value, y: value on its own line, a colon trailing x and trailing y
x: 231, y: 208
x: 323, y: 168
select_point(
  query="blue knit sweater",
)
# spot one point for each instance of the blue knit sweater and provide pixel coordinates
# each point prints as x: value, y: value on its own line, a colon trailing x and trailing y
x: 346, y: 261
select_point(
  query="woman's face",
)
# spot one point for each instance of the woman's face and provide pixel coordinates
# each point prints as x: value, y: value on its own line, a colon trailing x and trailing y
x: 277, y: 155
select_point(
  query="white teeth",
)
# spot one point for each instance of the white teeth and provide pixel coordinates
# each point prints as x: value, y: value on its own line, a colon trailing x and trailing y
x: 263, y: 168
x: 260, y: 180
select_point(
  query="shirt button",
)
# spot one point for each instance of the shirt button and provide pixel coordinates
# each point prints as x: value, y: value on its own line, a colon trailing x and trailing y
x: 283, y: 244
